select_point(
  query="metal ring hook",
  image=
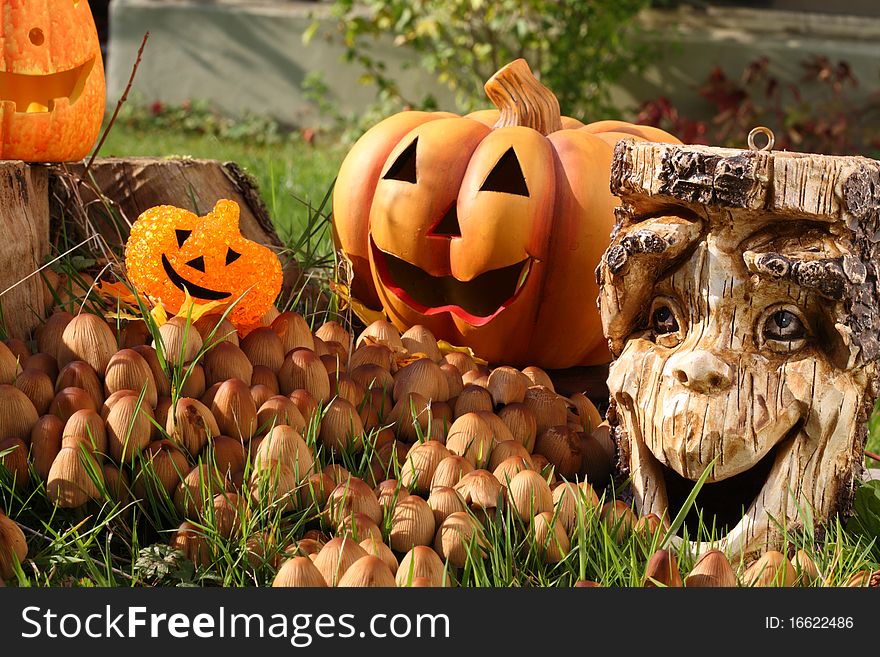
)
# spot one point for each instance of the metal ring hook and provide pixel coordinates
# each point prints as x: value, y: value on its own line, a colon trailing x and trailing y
x: 767, y: 132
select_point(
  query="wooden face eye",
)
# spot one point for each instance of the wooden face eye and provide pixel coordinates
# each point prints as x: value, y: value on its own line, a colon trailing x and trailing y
x: 663, y: 320
x: 506, y: 176
x: 231, y: 256
x: 404, y: 167
x: 666, y: 323
x: 182, y: 236
x: 783, y: 329
x: 784, y: 326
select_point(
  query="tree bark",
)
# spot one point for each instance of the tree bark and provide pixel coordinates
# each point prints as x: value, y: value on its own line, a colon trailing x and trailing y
x: 24, y: 226
x: 133, y: 185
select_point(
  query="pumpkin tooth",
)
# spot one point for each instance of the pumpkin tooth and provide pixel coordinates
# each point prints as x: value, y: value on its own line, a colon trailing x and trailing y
x: 524, y: 275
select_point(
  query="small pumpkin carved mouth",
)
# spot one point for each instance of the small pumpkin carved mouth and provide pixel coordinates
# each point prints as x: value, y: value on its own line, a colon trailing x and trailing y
x: 476, y: 301
x: 33, y: 94
x: 196, y: 291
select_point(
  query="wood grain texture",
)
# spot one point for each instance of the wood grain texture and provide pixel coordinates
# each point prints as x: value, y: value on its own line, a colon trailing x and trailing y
x: 137, y: 184
x: 24, y: 227
x: 740, y: 297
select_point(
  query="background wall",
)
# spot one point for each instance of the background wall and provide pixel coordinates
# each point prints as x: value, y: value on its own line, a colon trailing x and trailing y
x: 242, y: 56
x: 213, y: 49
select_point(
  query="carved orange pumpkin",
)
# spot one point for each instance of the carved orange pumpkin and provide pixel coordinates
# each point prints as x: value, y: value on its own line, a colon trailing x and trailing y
x: 171, y: 250
x: 51, y: 80
x: 486, y: 228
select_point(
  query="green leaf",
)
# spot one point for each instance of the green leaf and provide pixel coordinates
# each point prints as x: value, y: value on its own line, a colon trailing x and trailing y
x: 462, y: 42
x: 688, y: 503
x: 867, y: 510
x: 309, y: 33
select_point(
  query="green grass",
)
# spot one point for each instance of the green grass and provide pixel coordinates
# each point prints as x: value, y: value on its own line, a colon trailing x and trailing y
x: 873, y: 444
x: 285, y: 171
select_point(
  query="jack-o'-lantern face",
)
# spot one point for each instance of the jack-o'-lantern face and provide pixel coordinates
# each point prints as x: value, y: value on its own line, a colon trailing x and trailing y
x: 458, y: 236
x: 172, y: 251
x: 52, y: 91
x: 486, y: 228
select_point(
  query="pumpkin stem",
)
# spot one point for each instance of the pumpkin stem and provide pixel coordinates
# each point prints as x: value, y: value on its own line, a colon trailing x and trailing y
x: 523, y: 100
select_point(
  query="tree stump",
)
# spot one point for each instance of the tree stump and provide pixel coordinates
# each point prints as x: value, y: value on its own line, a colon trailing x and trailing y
x: 133, y: 185
x: 741, y: 298
x: 40, y: 202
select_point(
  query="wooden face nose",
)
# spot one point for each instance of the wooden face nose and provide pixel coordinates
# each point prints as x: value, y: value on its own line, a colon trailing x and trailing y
x: 700, y: 371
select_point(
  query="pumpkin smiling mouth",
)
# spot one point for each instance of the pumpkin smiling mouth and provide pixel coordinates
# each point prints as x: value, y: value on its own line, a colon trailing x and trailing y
x: 194, y: 290
x: 33, y: 94
x: 476, y: 301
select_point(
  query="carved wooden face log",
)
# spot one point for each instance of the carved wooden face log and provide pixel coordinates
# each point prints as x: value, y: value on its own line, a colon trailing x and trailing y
x: 478, y: 227
x: 51, y: 80
x: 740, y: 297
x: 172, y: 251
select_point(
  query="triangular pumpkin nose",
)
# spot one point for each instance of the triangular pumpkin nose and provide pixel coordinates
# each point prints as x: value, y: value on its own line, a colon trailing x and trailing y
x: 448, y: 225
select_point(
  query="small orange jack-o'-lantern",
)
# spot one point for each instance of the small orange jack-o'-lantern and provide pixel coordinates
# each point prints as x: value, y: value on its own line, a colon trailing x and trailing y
x: 51, y: 80
x: 486, y: 228
x: 173, y: 251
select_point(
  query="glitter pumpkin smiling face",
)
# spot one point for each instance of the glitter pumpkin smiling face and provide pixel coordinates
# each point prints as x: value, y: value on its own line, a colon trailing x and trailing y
x: 172, y: 251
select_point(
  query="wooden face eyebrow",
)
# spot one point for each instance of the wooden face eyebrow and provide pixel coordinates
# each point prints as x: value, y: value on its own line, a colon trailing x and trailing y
x: 828, y: 277
x: 656, y: 239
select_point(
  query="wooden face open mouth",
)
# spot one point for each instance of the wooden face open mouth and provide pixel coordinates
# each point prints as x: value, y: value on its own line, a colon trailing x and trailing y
x: 722, y: 505
x: 38, y: 93
x: 476, y: 301
x: 196, y: 291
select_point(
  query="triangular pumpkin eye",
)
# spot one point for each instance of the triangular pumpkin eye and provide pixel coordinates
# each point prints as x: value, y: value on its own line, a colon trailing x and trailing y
x: 231, y: 256
x: 404, y: 167
x: 182, y: 236
x: 506, y: 176
x: 197, y: 263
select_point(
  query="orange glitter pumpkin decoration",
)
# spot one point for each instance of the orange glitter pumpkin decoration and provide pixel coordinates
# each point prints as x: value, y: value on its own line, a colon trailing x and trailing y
x: 172, y: 251
x: 51, y: 80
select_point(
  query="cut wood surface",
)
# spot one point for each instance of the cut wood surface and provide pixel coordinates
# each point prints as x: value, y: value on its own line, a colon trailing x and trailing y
x: 24, y: 244
x: 136, y: 184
